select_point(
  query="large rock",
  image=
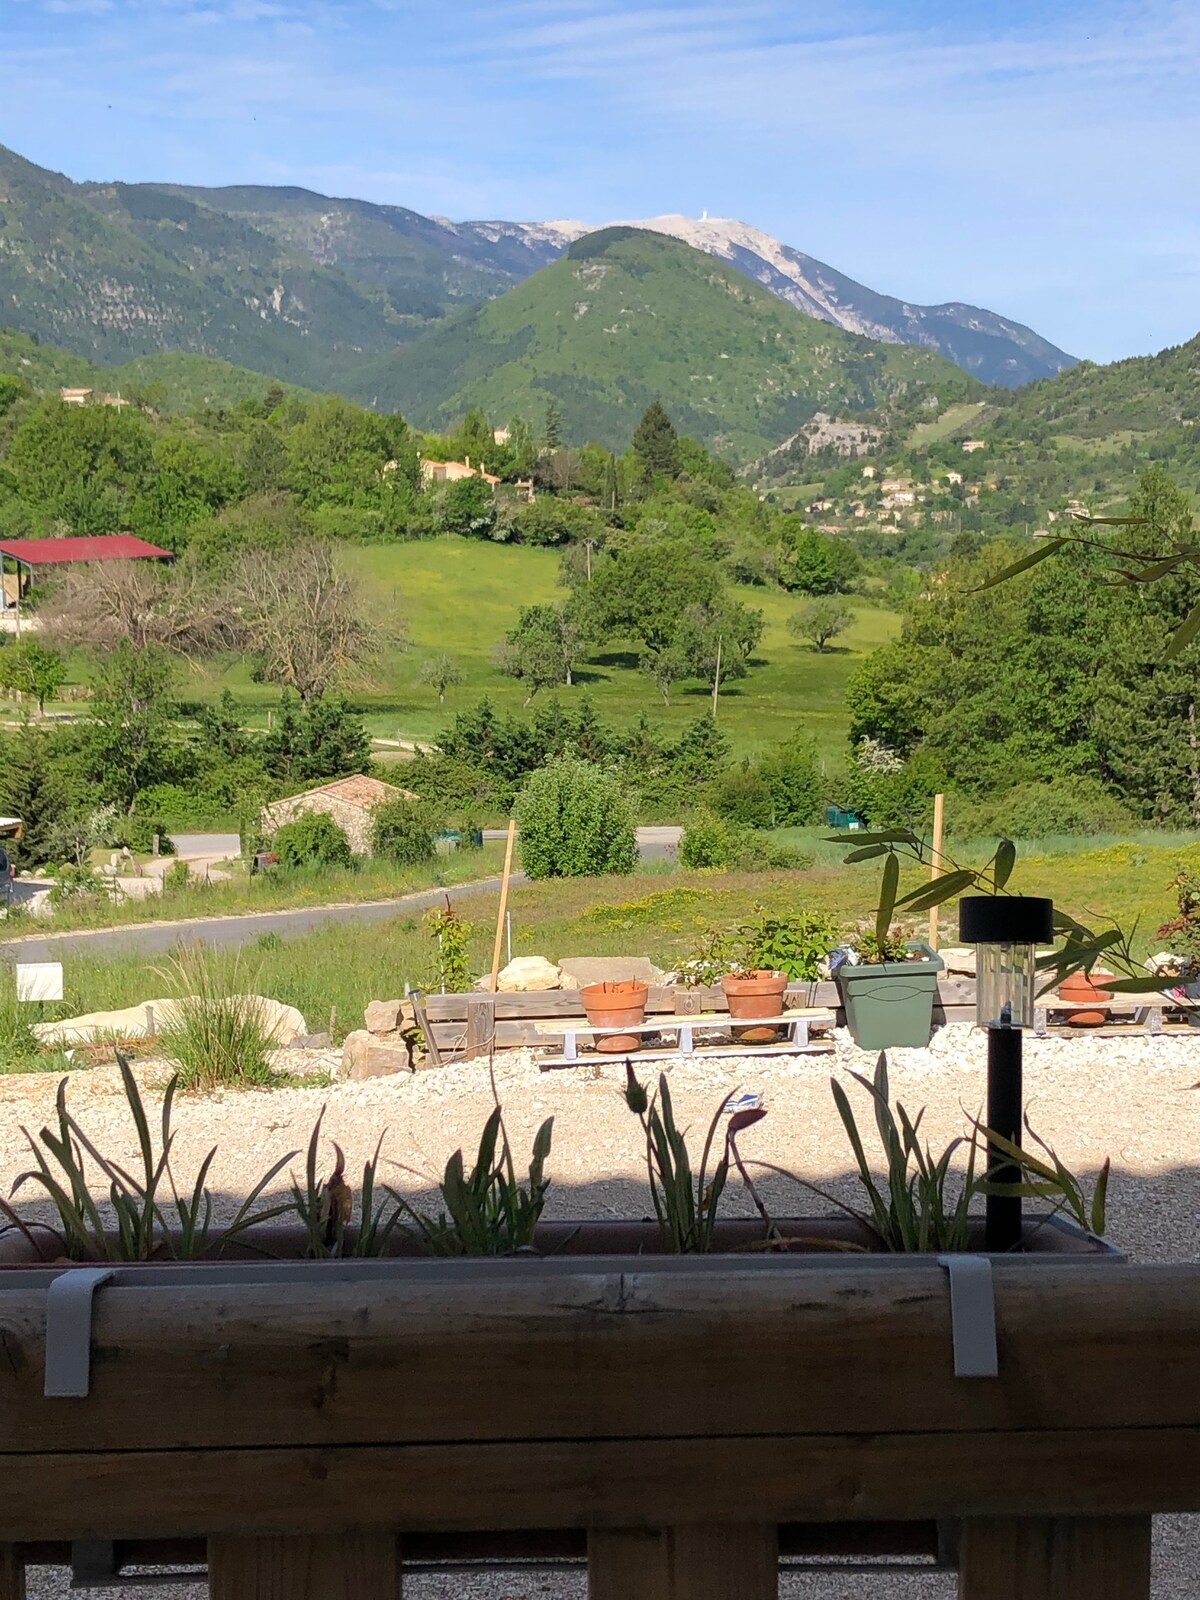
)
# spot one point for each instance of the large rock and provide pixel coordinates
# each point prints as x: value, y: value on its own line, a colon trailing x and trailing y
x: 365, y: 1055
x: 959, y: 961
x: 281, y: 1023
x: 525, y: 975
x: 578, y: 971
x: 383, y: 1016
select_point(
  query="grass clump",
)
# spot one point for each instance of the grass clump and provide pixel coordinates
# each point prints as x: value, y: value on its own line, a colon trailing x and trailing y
x: 144, y: 1215
x: 488, y: 1211
x: 217, y: 1037
x: 685, y: 1202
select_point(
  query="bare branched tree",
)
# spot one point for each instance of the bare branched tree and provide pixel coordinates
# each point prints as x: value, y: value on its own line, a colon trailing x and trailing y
x: 100, y: 604
x: 307, y: 620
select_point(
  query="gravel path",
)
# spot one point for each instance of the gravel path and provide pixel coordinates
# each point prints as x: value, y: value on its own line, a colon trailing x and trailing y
x: 1131, y: 1098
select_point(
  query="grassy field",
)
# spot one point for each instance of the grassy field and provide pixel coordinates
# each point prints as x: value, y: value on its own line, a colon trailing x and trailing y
x: 658, y: 913
x: 952, y: 418
x: 460, y: 596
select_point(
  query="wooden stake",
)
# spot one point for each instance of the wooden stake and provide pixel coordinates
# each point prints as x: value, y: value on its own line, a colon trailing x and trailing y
x: 717, y: 678
x: 508, y: 855
x: 939, y: 807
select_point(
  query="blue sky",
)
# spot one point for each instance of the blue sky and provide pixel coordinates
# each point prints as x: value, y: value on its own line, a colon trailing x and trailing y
x: 1038, y: 159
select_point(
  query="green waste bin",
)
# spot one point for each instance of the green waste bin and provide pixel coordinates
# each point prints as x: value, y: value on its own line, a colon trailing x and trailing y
x: 840, y: 817
x: 890, y: 1005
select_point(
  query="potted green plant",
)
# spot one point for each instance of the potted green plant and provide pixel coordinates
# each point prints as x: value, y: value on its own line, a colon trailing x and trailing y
x: 889, y: 991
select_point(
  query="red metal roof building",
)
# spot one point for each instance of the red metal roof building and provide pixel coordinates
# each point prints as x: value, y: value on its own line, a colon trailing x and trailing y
x: 89, y: 547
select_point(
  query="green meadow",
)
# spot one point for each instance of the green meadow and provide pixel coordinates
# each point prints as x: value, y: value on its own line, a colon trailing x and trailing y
x: 460, y: 596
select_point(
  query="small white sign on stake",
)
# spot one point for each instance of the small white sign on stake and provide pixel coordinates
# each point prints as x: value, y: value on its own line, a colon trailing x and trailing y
x: 39, y: 980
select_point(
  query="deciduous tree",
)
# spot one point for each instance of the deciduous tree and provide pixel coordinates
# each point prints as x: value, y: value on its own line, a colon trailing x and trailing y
x: 821, y: 620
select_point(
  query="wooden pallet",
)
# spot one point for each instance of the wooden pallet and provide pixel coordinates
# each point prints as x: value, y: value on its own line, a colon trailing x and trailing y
x: 1133, y: 1014
x: 509, y: 1021
x: 799, y: 1021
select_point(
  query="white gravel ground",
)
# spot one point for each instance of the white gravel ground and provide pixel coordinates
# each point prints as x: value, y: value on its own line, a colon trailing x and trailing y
x: 1130, y: 1098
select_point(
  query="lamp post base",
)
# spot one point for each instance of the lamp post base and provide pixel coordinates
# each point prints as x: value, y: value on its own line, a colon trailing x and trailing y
x: 1004, y: 1101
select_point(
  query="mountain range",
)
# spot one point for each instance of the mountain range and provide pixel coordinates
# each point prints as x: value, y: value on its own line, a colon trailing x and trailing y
x: 309, y: 288
x: 627, y: 316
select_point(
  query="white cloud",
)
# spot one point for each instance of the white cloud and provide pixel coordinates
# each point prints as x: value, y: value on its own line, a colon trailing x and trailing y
x: 1028, y: 157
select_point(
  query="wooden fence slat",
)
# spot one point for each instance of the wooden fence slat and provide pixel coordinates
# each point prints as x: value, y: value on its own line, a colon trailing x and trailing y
x: 713, y: 1562
x: 342, y: 1566
x: 1055, y: 1558
x: 549, y: 1003
x: 481, y: 1025
x: 12, y: 1573
x: 600, y: 1483
x: 330, y: 1361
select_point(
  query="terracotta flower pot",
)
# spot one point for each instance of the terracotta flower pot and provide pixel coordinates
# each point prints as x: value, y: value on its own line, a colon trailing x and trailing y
x: 615, y: 1005
x: 754, y: 994
x: 1083, y: 991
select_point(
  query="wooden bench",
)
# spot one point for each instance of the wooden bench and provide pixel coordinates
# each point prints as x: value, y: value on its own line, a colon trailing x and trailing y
x: 797, y: 1023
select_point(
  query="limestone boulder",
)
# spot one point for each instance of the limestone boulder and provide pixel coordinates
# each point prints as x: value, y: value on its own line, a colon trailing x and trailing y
x: 366, y: 1055
x: 579, y: 971
x: 525, y: 975
x: 281, y: 1023
x: 383, y: 1016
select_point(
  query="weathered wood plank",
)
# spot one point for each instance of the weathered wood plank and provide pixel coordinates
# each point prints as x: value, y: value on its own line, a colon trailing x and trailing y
x: 629, y: 1483
x: 12, y: 1573
x: 690, y: 1563
x: 481, y: 1025
x: 340, y: 1566
x: 478, y: 1350
x: 550, y: 1003
x: 1055, y: 1558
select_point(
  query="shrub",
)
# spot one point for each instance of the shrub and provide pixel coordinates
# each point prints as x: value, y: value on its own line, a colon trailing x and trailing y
x: 708, y: 841
x: 313, y: 840
x: 1074, y: 804
x: 743, y: 795
x: 400, y: 833
x: 137, y: 832
x: 576, y: 821
x: 792, y: 772
x: 758, y: 852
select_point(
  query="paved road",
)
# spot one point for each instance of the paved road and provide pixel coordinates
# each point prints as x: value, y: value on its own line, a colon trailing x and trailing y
x: 654, y: 843
x: 155, y: 938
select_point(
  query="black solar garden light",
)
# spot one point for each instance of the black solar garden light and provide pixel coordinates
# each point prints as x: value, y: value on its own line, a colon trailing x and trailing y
x: 1006, y: 931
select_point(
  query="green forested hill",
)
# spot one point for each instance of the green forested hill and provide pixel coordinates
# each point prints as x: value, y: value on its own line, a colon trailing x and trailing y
x: 112, y: 272
x: 167, y: 382
x: 1087, y: 433
x: 626, y: 317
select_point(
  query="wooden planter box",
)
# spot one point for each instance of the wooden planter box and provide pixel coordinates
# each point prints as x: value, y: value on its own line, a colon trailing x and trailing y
x: 313, y: 1426
x: 812, y: 1240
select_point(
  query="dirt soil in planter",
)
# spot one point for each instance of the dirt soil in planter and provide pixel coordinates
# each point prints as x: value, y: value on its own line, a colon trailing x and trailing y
x: 1131, y: 1097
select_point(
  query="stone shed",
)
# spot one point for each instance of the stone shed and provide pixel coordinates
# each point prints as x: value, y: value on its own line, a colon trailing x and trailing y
x: 349, y: 801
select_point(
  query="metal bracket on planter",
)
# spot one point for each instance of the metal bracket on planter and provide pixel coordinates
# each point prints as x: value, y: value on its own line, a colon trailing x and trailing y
x: 972, y: 1316
x: 69, y: 1331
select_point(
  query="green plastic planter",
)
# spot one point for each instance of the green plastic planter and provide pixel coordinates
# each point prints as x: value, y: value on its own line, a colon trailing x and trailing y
x: 891, y: 1005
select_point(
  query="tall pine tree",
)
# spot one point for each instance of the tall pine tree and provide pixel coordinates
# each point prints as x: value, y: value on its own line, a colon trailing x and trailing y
x: 656, y: 444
